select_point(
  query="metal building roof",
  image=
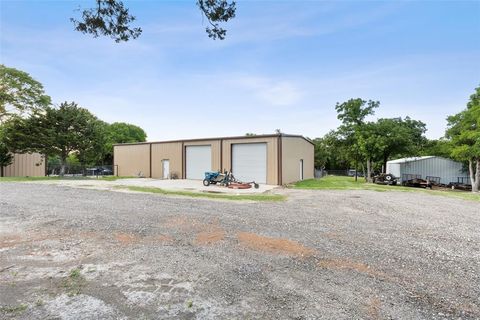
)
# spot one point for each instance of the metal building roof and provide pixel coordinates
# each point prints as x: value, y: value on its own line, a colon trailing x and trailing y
x: 411, y: 159
x: 222, y: 138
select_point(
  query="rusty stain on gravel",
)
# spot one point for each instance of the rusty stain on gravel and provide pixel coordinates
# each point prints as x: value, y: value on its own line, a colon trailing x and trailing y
x: 276, y: 245
x: 343, y: 264
x: 28, y: 238
x: 373, y: 308
x: 210, y: 237
x: 126, y: 238
x: 10, y: 241
x: 161, y: 238
x: 182, y: 223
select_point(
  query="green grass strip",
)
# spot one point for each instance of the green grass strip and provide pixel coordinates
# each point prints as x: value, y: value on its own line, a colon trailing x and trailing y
x: 22, y: 179
x: 251, y: 197
x: 100, y: 178
x: 349, y: 183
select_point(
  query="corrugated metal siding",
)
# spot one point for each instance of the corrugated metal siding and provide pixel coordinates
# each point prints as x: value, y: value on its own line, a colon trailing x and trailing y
x: 163, y: 151
x: 272, y: 155
x: 26, y: 165
x: 294, y: 149
x: 447, y: 169
x: 394, y: 168
x: 131, y: 160
x: 215, y: 144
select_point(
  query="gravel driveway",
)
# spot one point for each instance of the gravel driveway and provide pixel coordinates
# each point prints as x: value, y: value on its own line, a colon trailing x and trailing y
x: 69, y: 253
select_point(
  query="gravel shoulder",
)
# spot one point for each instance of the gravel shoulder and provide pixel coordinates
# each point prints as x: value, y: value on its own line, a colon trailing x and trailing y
x: 72, y: 253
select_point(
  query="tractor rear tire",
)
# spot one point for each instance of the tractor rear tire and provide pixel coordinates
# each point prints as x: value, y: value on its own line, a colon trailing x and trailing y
x: 206, y: 182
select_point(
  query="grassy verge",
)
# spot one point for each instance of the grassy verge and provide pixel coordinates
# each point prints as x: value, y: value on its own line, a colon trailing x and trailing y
x: 14, y: 310
x: 114, y: 178
x: 251, y: 197
x: 23, y: 179
x: 348, y: 183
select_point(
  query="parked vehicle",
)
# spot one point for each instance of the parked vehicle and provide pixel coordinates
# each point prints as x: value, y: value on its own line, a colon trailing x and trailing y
x: 460, y: 186
x: 351, y: 173
x: 385, y: 178
x: 226, y: 179
x: 97, y: 171
x: 106, y: 171
x: 417, y: 183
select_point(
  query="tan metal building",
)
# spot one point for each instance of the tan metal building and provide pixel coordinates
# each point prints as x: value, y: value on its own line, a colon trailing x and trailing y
x: 26, y: 165
x: 272, y: 159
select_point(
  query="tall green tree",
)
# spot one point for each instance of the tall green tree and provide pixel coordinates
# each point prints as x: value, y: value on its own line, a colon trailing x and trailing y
x: 440, y: 148
x: 20, y: 93
x: 92, y: 150
x: 353, y: 113
x: 120, y: 132
x: 400, y: 137
x: 55, y: 132
x: 371, y: 145
x: 384, y: 138
x: 6, y: 157
x: 464, y: 134
x: 331, y: 152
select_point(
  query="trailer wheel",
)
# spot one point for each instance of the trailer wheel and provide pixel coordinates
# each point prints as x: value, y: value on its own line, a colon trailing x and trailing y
x: 206, y: 182
x: 256, y: 185
x: 389, y: 177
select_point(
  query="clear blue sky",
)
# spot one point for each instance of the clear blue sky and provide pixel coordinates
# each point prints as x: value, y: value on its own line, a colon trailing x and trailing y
x: 283, y: 65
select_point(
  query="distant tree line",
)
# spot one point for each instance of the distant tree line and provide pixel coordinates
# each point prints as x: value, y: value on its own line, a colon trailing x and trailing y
x: 368, y: 145
x: 29, y: 122
x: 66, y: 133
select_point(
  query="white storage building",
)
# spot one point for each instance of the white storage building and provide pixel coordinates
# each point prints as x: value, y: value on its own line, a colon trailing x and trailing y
x: 447, y: 170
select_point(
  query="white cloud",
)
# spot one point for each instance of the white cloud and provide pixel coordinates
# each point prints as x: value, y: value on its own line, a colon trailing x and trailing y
x: 272, y: 91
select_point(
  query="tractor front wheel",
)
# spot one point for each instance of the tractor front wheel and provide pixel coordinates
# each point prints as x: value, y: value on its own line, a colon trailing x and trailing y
x: 206, y: 182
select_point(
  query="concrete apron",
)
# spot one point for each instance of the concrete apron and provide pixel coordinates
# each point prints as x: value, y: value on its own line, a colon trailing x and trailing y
x: 190, y: 185
x: 175, y: 185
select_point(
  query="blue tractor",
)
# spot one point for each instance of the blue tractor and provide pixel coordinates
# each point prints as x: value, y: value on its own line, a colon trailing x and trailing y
x: 226, y: 179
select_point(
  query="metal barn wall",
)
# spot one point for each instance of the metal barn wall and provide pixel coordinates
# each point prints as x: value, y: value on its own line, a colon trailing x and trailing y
x: 163, y: 151
x: 394, y: 168
x: 272, y: 155
x: 131, y: 159
x: 26, y: 165
x: 215, y: 145
x: 294, y: 149
x: 448, y: 170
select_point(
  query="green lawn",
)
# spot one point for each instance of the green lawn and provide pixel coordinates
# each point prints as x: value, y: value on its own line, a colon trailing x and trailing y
x: 22, y: 179
x: 348, y: 183
x: 251, y: 197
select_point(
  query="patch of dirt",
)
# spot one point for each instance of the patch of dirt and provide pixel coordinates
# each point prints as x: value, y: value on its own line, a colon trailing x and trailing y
x: 162, y: 238
x: 342, y: 264
x: 373, y: 308
x: 275, y: 245
x: 129, y: 238
x: 210, y: 237
x: 29, y: 238
x: 332, y: 235
x: 181, y: 223
x: 10, y: 241
x: 126, y: 238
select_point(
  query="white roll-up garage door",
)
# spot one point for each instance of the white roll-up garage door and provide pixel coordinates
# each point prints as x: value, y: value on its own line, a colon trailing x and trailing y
x: 249, y: 162
x: 198, y: 161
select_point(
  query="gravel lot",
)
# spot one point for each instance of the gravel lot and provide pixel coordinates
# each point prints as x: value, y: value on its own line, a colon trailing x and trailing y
x: 69, y: 253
